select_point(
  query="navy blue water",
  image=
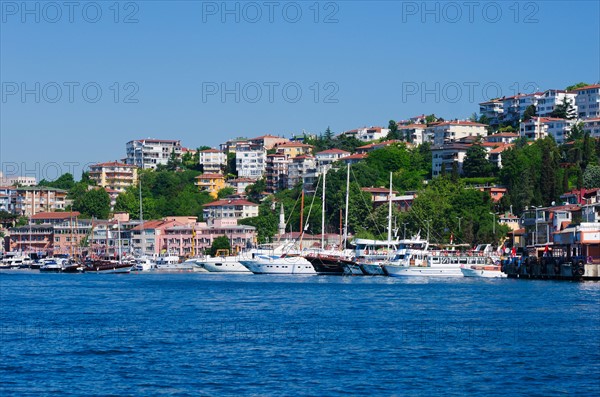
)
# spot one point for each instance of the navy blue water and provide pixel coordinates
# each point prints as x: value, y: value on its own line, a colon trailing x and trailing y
x: 218, y: 335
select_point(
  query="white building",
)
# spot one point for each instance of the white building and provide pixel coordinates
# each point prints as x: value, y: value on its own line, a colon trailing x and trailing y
x: 540, y: 127
x: 230, y: 209
x: 303, y: 169
x: 444, y: 156
x: 551, y: 98
x: 240, y: 184
x: 327, y: 157
x: 414, y: 133
x: 212, y: 161
x: 502, y: 137
x: 13, y: 180
x: 452, y: 131
x: 588, y: 101
x: 592, y: 126
x: 148, y: 153
x: 368, y: 134
x: 250, y: 160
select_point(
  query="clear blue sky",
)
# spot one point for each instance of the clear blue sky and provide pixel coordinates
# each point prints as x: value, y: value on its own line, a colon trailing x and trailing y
x: 378, y: 56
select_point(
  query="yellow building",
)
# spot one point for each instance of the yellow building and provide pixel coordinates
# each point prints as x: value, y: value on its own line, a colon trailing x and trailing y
x: 211, y: 183
x: 114, y: 175
x: 293, y: 149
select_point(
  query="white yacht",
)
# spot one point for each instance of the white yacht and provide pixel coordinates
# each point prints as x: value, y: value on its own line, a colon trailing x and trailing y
x: 171, y: 263
x: 15, y: 262
x: 223, y: 264
x: 276, y: 264
x: 483, y: 271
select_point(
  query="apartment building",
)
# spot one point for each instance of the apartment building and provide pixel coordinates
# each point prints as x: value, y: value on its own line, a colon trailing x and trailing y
x: 149, y: 153
x: 540, y: 127
x: 326, y: 158
x: 211, y: 183
x: 588, y: 101
x: 31, y: 200
x: 294, y: 149
x: 276, y: 172
x: 452, y: 131
x: 213, y: 161
x: 250, y: 160
x: 114, y: 175
x: 303, y: 169
x: 230, y: 209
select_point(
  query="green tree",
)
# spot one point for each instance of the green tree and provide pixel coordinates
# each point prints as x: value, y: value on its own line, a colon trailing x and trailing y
x: 575, y: 86
x: 93, y: 203
x: 256, y: 190
x: 564, y: 110
x: 65, y: 182
x: 576, y: 132
x: 328, y: 136
x: 476, y: 163
x: 227, y: 191
x: 529, y: 113
x: 220, y: 243
x: 591, y: 177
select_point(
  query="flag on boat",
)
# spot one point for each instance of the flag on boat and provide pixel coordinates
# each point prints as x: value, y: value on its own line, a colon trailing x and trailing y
x: 513, y: 252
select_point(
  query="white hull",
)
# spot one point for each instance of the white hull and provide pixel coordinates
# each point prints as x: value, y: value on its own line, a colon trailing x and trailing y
x: 482, y: 273
x: 295, y: 265
x: 425, y: 271
x: 372, y: 269
x: 178, y: 268
x: 223, y: 265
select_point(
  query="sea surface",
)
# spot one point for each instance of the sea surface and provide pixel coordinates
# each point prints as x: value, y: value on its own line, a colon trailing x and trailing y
x: 249, y: 335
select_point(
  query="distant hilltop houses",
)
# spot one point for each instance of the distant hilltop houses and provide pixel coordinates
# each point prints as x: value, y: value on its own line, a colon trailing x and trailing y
x: 283, y: 163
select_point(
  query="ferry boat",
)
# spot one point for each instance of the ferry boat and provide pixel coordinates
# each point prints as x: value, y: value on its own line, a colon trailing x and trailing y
x: 275, y: 264
x: 444, y: 263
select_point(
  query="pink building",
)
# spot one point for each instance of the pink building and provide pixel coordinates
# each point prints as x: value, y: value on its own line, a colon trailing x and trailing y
x: 193, y: 239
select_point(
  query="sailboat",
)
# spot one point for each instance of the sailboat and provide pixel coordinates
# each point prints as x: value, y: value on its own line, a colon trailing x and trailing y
x: 331, y: 262
x: 370, y: 255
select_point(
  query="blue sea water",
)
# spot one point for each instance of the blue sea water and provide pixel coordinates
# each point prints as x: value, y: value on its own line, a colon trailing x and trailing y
x: 234, y: 335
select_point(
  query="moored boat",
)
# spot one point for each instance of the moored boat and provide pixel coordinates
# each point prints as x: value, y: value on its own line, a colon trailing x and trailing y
x: 274, y: 264
x: 483, y: 271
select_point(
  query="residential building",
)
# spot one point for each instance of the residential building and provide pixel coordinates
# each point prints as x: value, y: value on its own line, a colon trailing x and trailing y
x: 495, y: 192
x: 114, y: 175
x: 379, y: 194
x: 8, y: 198
x: 213, y: 161
x: 196, y: 238
x: 250, y: 160
x: 34, y: 199
x: 32, y: 239
x: 493, y: 110
x: 231, y: 145
x: 148, y: 242
x: 549, y: 99
x: 326, y: 158
x: 268, y: 141
x: 293, y: 149
x: 230, y: 209
x: 588, y: 101
x: 592, y: 126
x: 501, y: 137
x: 452, y: 131
x: 367, y: 134
x: 445, y: 156
x: 540, y: 127
x: 276, y: 172
x: 149, y: 153
x: 15, y: 180
x: 240, y: 184
x: 495, y: 154
x: 414, y: 133
x: 303, y: 169
x: 211, y: 183
x: 515, y: 106
x: 374, y: 146
x: 353, y: 158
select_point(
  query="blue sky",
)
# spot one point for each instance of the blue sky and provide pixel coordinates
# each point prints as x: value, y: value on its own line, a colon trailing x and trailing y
x: 356, y: 63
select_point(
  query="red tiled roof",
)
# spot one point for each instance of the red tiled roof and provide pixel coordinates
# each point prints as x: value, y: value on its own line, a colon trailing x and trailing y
x: 157, y: 140
x: 587, y: 87
x: 211, y: 151
x: 376, y: 190
x: 292, y: 144
x: 333, y: 151
x: 219, y: 203
x: 358, y: 156
x: 472, y: 123
x: 113, y: 164
x: 55, y: 215
x: 411, y: 126
x: 501, y: 148
x: 504, y: 134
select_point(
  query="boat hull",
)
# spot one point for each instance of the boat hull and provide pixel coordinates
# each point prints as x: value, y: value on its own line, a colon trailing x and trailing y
x: 223, y: 265
x: 372, y: 269
x: 422, y: 271
x: 482, y: 273
x: 279, y: 267
x: 328, y: 265
x: 352, y: 269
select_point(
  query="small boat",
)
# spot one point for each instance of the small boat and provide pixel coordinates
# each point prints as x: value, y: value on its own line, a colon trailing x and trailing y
x: 171, y: 263
x: 483, y: 271
x: 275, y: 264
x: 15, y: 262
x: 352, y: 269
x: 372, y: 268
x: 223, y: 264
x: 104, y: 266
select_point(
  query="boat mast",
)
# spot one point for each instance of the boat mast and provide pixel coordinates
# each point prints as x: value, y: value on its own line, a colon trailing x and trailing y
x: 301, y: 218
x: 323, y: 212
x: 346, y: 216
x: 142, y: 241
x: 390, y: 215
x: 119, y: 237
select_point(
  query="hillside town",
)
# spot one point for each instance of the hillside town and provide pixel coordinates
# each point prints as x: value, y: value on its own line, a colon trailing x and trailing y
x: 231, y: 190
